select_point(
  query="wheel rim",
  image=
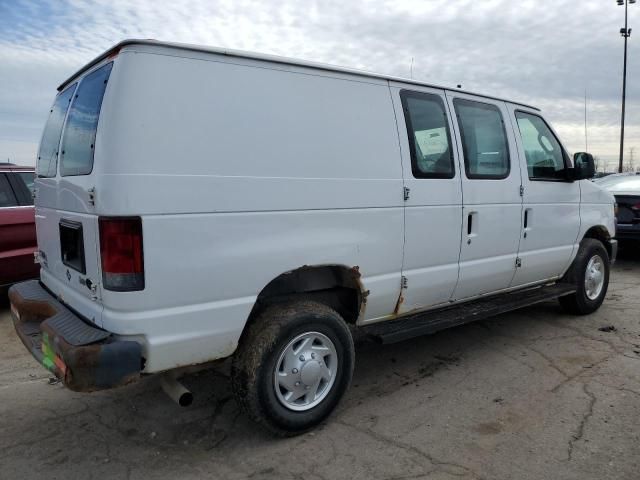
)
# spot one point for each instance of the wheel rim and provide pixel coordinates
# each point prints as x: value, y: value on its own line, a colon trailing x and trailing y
x: 594, y: 277
x: 305, y: 371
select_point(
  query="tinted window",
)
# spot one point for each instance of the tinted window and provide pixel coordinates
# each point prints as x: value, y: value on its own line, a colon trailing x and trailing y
x: 545, y: 159
x: 26, y: 179
x: 48, y: 154
x: 429, y: 138
x: 80, y: 130
x: 7, y: 197
x: 484, y: 140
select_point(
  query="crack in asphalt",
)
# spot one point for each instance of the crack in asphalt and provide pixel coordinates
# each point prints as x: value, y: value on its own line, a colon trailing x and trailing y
x: 441, y: 465
x: 576, y: 437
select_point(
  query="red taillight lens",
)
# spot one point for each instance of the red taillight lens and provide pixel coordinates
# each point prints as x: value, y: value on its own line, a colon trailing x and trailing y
x: 121, y: 253
x: 636, y: 206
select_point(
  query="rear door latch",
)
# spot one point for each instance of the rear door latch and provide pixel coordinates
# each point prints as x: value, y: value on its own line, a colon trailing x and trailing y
x: 92, y: 195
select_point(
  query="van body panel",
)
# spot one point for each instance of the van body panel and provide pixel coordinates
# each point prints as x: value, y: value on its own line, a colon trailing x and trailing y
x: 66, y: 202
x: 596, y: 209
x: 88, y: 308
x: 62, y: 279
x: 433, y: 222
x: 550, y: 238
x: 235, y: 185
x: 226, y: 259
x: 491, y: 216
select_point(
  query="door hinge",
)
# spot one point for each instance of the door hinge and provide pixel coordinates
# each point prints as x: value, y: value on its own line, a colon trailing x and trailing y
x: 522, y: 190
x: 518, y: 262
x: 92, y: 195
x: 403, y: 281
x: 407, y: 190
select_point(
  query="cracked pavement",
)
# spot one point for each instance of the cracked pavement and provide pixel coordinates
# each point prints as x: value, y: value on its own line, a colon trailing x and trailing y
x: 534, y: 394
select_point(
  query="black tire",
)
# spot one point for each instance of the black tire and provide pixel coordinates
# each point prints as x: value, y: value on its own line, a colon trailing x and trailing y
x: 255, y: 361
x: 579, y: 303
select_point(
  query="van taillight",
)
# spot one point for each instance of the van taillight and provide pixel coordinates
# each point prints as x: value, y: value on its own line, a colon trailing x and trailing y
x: 121, y: 253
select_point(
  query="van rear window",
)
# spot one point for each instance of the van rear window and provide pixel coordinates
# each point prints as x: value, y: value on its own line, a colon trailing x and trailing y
x: 78, y: 141
x: 48, y: 153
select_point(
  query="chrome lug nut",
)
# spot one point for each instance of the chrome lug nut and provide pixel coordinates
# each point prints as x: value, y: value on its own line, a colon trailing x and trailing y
x: 295, y: 370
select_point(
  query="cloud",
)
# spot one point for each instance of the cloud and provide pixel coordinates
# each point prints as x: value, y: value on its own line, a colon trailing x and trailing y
x: 541, y: 52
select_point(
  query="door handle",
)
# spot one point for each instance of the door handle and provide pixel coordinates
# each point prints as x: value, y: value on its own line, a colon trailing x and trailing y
x: 527, y: 221
x: 472, y: 226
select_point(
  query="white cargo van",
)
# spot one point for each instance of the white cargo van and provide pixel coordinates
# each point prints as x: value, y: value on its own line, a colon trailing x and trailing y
x: 194, y: 204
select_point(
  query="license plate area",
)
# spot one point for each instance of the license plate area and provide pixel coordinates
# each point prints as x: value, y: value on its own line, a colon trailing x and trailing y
x: 72, y: 245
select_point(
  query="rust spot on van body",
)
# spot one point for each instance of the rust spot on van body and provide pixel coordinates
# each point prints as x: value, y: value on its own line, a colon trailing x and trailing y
x: 396, y: 310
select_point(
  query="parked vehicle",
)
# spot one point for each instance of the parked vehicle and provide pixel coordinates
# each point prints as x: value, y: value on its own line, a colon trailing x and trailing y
x: 196, y: 204
x: 626, y: 189
x: 17, y: 225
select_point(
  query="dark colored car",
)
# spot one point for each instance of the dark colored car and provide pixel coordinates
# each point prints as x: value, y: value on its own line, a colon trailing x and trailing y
x: 17, y: 224
x: 626, y: 188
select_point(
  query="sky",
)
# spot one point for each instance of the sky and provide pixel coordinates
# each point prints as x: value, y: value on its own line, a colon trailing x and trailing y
x: 543, y: 52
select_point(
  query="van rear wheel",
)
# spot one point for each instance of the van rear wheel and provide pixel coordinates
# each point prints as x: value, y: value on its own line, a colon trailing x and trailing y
x: 590, y: 273
x: 293, y: 365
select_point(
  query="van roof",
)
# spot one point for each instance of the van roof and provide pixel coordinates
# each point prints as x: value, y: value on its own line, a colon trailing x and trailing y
x: 269, y: 58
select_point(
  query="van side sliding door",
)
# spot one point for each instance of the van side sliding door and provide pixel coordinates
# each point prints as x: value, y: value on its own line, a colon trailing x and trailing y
x: 491, y: 193
x: 551, y: 210
x: 433, y: 196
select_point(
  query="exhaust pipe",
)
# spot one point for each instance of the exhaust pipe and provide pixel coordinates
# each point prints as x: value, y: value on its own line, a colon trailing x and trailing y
x: 176, y: 391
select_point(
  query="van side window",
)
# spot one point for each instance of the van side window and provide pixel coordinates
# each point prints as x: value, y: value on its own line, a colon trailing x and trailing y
x: 484, y: 140
x: 48, y: 153
x: 80, y: 130
x: 545, y: 157
x: 429, y: 138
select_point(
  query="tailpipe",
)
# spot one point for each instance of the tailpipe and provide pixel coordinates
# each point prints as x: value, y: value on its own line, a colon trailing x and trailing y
x: 176, y: 391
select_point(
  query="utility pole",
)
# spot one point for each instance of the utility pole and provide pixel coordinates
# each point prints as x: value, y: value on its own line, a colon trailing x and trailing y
x: 626, y: 33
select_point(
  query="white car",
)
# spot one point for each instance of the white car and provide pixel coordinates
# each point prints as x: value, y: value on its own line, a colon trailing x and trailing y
x: 194, y: 204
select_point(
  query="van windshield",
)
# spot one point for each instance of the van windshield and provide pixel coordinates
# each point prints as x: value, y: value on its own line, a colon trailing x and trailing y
x: 48, y: 153
x: 78, y: 141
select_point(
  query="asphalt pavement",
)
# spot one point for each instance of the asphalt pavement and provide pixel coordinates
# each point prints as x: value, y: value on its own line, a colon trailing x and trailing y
x: 534, y: 394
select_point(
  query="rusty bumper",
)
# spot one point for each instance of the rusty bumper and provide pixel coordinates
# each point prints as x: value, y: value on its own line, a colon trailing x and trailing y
x: 85, y: 358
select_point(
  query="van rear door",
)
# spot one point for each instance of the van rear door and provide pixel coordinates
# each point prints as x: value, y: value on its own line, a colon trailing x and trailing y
x: 66, y: 222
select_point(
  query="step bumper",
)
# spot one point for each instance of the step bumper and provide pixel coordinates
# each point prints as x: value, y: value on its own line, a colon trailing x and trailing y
x: 85, y: 358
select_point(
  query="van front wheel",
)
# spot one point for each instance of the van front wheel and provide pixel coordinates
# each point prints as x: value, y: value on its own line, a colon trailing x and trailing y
x: 590, y: 273
x: 292, y: 366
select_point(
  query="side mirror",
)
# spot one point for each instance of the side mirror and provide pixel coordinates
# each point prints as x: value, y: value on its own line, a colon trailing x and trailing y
x: 583, y: 166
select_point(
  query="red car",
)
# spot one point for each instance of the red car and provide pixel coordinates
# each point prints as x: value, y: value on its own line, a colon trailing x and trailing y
x: 17, y: 225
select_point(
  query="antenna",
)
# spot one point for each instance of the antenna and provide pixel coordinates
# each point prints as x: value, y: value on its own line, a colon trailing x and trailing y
x: 411, y: 69
x: 586, y: 142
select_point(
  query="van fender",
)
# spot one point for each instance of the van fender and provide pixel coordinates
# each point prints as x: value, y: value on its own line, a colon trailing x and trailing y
x: 338, y: 286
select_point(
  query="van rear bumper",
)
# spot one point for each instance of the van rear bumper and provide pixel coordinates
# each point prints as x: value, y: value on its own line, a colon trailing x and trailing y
x: 85, y: 358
